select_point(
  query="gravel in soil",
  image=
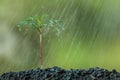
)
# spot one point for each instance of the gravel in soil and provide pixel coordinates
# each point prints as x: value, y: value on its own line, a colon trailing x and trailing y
x: 57, y: 73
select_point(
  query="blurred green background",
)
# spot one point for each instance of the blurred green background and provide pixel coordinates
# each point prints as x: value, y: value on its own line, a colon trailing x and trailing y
x: 91, y: 37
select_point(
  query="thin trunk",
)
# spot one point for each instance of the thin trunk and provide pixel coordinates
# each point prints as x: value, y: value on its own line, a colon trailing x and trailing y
x: 41, y: 62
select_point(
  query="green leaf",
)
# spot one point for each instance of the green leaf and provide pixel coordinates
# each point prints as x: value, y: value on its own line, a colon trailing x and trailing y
x: 45, y: 21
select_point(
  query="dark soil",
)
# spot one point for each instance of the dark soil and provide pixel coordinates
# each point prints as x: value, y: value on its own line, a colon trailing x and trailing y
x: 57, y: 73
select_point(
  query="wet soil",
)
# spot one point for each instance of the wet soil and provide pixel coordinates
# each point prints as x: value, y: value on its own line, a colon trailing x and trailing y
x: 56, y: 73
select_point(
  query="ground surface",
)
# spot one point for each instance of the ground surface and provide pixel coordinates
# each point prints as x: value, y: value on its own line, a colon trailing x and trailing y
x: 57, y: 73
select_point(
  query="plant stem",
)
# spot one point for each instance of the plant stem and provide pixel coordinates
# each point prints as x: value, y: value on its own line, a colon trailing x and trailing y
x: 41, y: 62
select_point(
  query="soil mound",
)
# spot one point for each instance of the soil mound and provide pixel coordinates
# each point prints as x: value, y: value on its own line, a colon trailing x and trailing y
x: 57, y: 73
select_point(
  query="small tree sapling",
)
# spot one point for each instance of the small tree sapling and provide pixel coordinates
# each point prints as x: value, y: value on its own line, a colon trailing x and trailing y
x: 42, y: 25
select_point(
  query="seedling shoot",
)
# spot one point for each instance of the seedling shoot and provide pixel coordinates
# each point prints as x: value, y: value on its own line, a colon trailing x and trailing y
x: 41, y: 25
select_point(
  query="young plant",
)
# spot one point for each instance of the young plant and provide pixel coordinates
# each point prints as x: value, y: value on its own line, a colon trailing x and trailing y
x: 42, y: 25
